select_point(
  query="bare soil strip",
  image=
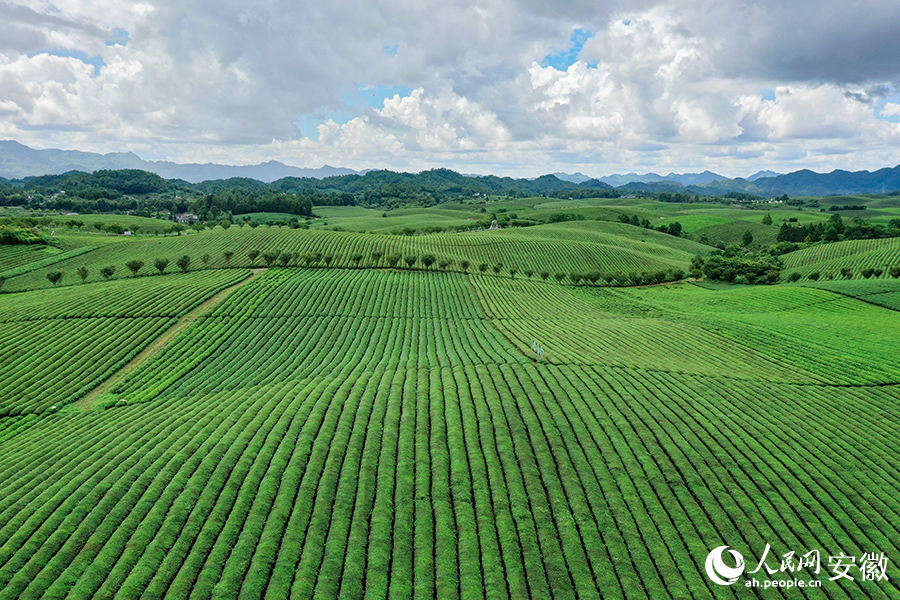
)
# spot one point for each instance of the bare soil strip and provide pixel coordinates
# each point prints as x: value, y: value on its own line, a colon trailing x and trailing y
x: 161, y: 342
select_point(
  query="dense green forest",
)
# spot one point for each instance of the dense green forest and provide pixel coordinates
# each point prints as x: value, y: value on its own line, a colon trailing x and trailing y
x: 145, y: 193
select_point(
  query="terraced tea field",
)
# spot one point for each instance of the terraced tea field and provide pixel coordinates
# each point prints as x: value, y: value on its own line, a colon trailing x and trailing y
x: 580, y: 246
x: 389, y: 433
x: 855, y: 255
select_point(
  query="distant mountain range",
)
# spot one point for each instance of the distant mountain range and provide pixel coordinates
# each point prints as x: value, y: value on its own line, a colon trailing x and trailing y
x: 18, y: 161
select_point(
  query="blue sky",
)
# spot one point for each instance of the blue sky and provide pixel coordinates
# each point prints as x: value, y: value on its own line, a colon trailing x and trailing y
x: 563, y: 59
x: 496, y: 86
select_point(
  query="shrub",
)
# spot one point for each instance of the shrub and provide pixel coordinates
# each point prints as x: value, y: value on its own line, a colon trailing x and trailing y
x: 795, y: 276
x: 134, y: 266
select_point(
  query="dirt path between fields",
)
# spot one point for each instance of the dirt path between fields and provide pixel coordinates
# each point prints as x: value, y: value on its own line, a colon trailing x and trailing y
x: 161, y: 342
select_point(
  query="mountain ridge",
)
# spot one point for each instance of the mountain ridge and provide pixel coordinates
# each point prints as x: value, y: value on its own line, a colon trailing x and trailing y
x: 18, y: 161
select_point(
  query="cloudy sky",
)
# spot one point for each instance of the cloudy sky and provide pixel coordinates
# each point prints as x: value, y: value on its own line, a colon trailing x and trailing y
x: 480, y: 86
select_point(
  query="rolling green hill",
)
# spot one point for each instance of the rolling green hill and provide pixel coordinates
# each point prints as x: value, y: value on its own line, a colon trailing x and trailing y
x: 576, y: 246
x: 855, y: 255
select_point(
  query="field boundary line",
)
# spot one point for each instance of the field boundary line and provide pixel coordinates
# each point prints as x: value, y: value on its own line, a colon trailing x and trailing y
x: 157, y: 345
x: 861, y: 298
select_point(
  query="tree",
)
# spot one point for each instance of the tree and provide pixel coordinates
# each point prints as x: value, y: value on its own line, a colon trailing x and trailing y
x: 497, y: 268
x: 482, y: 267
x: 893, y: 272
x: 512, y: 271
x: 867, y: 273
x: 747, y: 238
x: 270, y: 257
x: 445, y: 263
x: 134, y: 266
x: 83, y: 273
x: 107, y: 272
x: 161, y: 264
x: 2, y: 281
x: 227, y: 255
x: 284, y: 258
x: 814, y: 276
x: 464, y: 265
x: 575, y: 277
x: 393, y: 259
x: 376, y: 256
x: 328, y: 258
x: 55, y: 277
x: 356, y: 258
x: 183, y: 263
x: 846, y: 272
x: 767, y: 220
x: 205, y: 258
x: 410, y: 260
x: 428, y: 260
x: 545, y: 275
x: 559, y: 276
x: 98, y: 226
x: 252, y: 255
x: 795, y: 276
x: 529, y: 273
